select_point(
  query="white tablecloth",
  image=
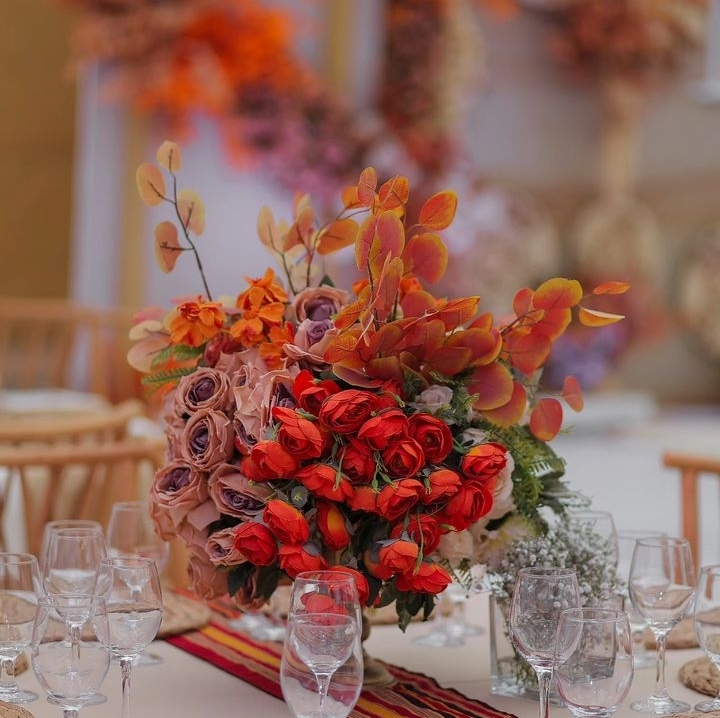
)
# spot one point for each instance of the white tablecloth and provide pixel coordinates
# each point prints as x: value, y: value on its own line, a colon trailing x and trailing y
x: 187, y: 687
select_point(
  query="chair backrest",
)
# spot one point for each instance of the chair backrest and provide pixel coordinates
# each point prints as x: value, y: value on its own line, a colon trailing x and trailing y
x: 72, y: 480
x: 691, y: 467
x: 56, y: 343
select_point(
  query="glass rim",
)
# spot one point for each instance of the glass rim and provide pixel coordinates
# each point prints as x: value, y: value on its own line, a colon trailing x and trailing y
x: 127, y: 561
x: 17, y: 558
x: 664, y: 540
x: 326, y: 574
x: 72, y: 523
x: 641, y: 533
x: 547, y: 571
x: 131, y: 503
x: 77, y: 531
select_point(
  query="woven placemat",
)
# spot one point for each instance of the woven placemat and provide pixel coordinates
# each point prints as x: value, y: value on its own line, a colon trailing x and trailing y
x: 9, y: 710
x: 182, y: 614
x: 701, y: 675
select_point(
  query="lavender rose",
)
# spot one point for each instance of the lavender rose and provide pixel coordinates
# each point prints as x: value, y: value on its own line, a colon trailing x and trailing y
x: 235, y: 495
x: 205, y: 388
x: 319, y: 303
x: 176, y: 490
x: 207, y: 439
x: 220, y: 548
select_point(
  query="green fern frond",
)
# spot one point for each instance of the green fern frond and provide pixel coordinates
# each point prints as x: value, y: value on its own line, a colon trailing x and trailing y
x: 178, y: 352
x: 166, y: 376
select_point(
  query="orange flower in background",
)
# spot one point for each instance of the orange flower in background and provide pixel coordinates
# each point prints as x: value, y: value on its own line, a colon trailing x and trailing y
x: 196, y: 322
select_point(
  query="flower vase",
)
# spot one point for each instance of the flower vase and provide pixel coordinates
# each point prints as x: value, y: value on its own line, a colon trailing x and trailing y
x: 375, y: 674
x: 510, y: 674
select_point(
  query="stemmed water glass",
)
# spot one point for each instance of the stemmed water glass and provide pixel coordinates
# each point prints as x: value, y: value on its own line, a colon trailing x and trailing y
x: 72, y: 559
x: 20, y: 586
x: 131, y: 588
x: 540, y: 595
x: 131, y: 532
x: 593, y: 660
x: 707, y: 624
x: 662, y: 587
x: 626, y: 539
x: 70, y: 670
x: 58, y: 524
x: 323, y: 635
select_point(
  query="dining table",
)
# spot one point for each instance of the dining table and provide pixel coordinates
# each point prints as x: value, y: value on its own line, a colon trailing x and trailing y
x: 187, y: 686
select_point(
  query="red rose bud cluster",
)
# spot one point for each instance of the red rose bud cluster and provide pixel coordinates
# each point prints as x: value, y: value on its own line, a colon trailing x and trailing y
x: 356, y: 476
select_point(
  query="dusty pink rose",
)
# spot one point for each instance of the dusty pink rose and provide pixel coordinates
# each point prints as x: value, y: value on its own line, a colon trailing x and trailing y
x: 176, y: 490
x: 204, y: 578
x: 319, y: 303
x: 208, y: 439
x: 194, y: 529
x: 220, y: 548
x: 235, y: 495
x: 205, y: 388
x: 311, y: 340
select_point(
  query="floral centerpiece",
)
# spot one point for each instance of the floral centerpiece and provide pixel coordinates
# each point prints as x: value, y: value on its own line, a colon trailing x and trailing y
x: 312, y: 427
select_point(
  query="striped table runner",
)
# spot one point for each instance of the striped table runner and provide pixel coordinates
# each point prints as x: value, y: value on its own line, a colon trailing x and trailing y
x: 413, y: 695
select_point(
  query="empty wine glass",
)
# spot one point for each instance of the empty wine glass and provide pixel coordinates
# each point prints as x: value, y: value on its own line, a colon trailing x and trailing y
x: 593, y: 660
x: 540, y: 595
x: 626, y: 539
x: 662, y: 587
x: 131, y: 532
x: 70, y: 672
x: 20, y: 586
x: 56, y: 525
x: 707, y: 624
x: 131, y: 588
x: 72, y: 559
x: 323, y: 635
x: 600, y: 523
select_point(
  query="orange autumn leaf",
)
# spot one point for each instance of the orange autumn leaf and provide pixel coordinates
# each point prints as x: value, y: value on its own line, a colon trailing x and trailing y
x: 337, y: 235
x: 191, y: 210
x: 417, y: 303
x: 611, y: 288
x: 426, y: 256
x: 387, y: 285
x: 546, y: 419
x: 522, y: 301
x: 572, y: 393
x: 458, y: 312
x: 424, y: 334
x: 438, y: 212
x: 558, y: 293
x: 485, y: 344
x: 389, y: 241
x: 596, y: 318
x: 150, y: 184
x: 550, y: 323
x: 167, y: 246
x: 394, y: 193
x: 367, y: 184
x: 349, y: 197
x: 512, y: 412
x: 493, y: 385
x: 169, y: 156
x: 449, y: 360
x: 527, y: 352
x: 364, y: 240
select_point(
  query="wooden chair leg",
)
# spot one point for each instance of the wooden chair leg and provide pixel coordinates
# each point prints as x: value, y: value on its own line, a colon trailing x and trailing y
x: 690, y: 511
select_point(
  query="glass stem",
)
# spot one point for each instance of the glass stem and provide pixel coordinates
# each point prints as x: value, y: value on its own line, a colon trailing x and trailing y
x: 8, y: 684
x: 323, y: 682
x: 660, y: 688
x: 544, y: 676
x: 125, y: 670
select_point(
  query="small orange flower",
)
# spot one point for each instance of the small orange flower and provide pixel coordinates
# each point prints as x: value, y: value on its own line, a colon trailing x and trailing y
x: 195, y: 323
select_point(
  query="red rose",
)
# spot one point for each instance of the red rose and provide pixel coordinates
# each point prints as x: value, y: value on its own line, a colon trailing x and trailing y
x: 286, y: 521
x: 296, y: 559
x: 363, y: 588
x: 399, y: 556
x: 270, y: 460
x: 396, y: 499
x: 332, y: 525
x: 324, y: 481
x: 371, y: 561
x: 484, y: 462
x: 433, y: 435
x: 442, y: 484
x: 468, y: 505
x: 383, y: 429
x: 357, y: 463
x: 363, y: 499
x: 256, y: 542
x: 311, y: 393
x: 346, y: 411
x: 403, y: 459
x: 424, y: 530
x: 429, y: 578
x: 301, y: 437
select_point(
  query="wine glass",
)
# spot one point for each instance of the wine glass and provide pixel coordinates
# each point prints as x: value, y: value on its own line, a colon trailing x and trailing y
x: 600, y: 523
x: 131, y: 588
x: 131, y: 532
x: 707, y: 624
x: 540, y: 595
x: 662, y: 587
x: 52, y: 526
x: 20, y: 586
x: 72, y: 559
x: 593, y: 660
x: 626, y: 538
x: 70, y: 672
x: 323, y: 634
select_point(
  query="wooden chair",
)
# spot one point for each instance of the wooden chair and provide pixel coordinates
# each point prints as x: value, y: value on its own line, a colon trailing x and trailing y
x: 691, y: 466
x: 56, y: 343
